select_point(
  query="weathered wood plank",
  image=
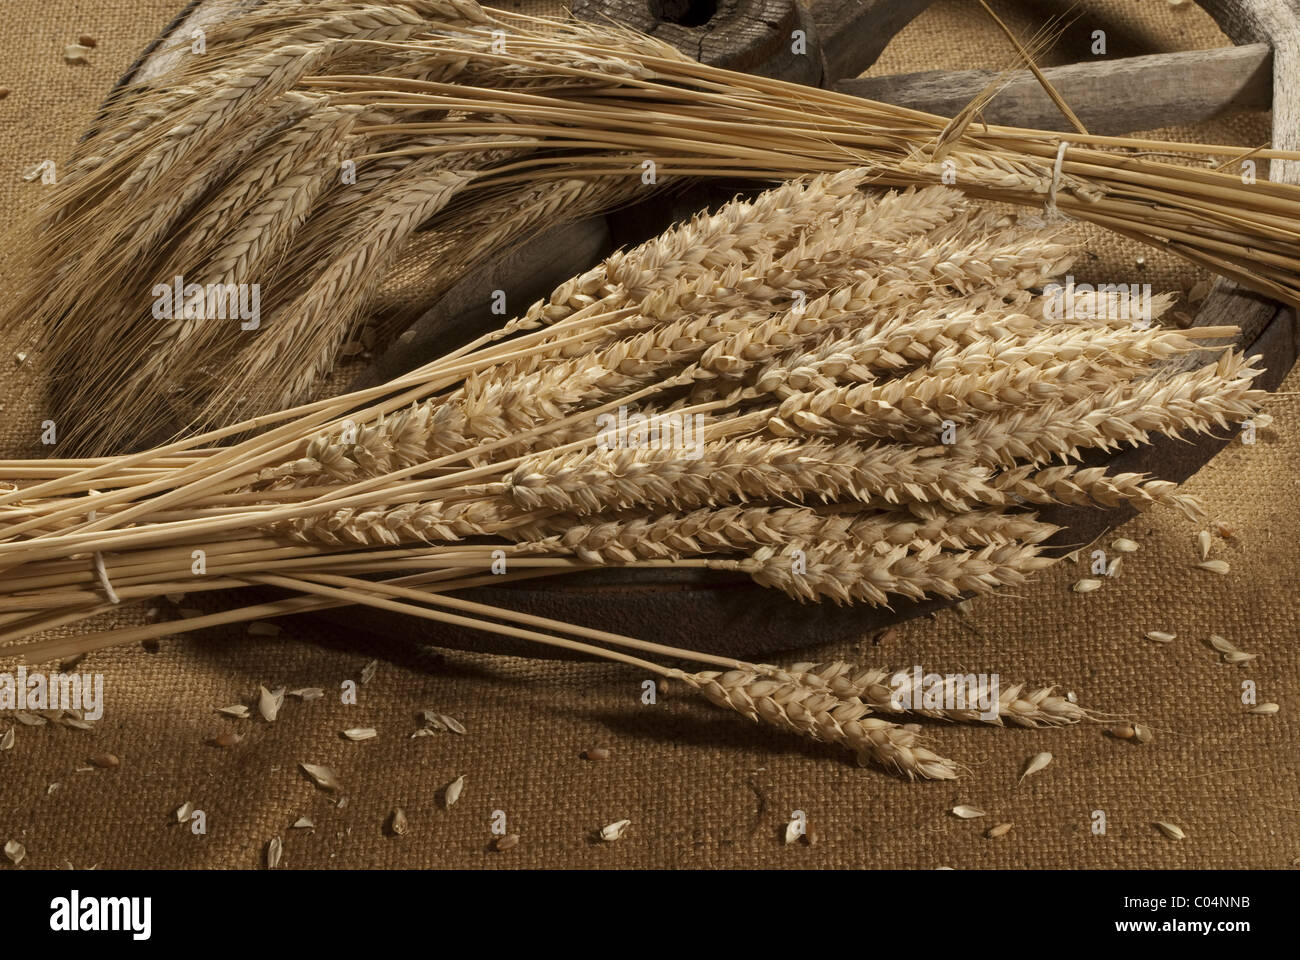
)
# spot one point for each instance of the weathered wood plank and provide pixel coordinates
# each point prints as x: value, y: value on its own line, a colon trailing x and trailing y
x: 525, y: 273
x: 1276, y: 23
x: 754, y: 36
x: 852, y: 34
x: 1109, y: 96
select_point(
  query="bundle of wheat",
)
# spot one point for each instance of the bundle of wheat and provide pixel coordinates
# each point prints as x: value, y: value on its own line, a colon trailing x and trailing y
x: 314, y: 145
x: 849, y: 395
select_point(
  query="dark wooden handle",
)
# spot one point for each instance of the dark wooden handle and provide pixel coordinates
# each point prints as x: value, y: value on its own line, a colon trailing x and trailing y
x: 754, y: 36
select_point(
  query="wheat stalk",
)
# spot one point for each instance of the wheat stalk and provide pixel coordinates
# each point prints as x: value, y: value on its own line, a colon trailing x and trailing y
x: 824, y: 717
x: 628, y: 538
x: 562, y: 102
x: 404, y: 496
x: 886, y: 691
x: 848, y: 573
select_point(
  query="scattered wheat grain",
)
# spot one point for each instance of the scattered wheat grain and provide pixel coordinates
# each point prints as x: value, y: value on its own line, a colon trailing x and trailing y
x: 1221, y: 644
x: 1001, y: 830
x: 361, y: 733
x: 1264, y: 709
x: 1036, y: 763
x: 1170, y: 830
x: 451, y: 723
x: 430, y: 718
x: 323, y: 776
x: 269, y: 703
x: 967, y: 813
x: 452, y: 792
x: 614, y: 831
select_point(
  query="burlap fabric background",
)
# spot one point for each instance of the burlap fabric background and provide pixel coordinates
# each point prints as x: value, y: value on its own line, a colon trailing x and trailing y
x: 701, y: 788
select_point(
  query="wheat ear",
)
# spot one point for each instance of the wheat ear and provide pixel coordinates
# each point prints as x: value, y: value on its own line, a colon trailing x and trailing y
x: 824, y: 717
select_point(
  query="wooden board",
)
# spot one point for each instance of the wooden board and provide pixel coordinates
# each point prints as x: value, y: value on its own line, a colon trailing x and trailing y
x: 1108, y: 96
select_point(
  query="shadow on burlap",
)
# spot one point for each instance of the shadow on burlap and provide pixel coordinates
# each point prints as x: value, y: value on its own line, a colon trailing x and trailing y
x: 702, y: 788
